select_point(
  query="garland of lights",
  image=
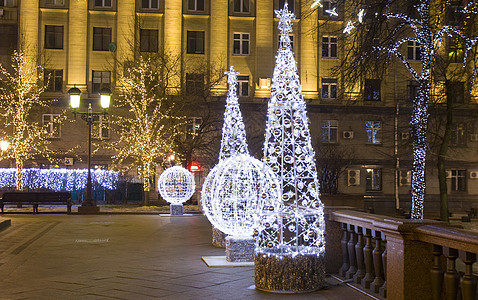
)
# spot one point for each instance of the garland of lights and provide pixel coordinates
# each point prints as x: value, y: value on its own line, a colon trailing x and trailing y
x: 58, y: 179
x: 176, y: 185
x: 233, y: 140
x: 298, y: 227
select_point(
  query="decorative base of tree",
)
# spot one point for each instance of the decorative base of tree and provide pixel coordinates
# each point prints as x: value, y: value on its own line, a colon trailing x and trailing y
x: 88, y: 209
x: 289, y: 272
x: 218, y: 238
x: 239, y: 249
x: 176, y: 209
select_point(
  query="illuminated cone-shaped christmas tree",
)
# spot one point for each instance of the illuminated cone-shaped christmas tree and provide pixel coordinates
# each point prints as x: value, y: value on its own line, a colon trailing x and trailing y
x: 290, y: 243
x: 233, y: 143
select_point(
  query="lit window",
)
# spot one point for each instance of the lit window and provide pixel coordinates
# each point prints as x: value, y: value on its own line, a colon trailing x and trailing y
x: 412, y: 90
x: 103, y: 3
x: 373, y: 130
x: 329, y: 131
x: 458, y: 180
x: 458, y: 134
x: 196, y: 5
x: 456, y: 91
x: 329, y: 47
x: 455, y: 51
x: 327, y: 7
x: 100, y: 129
x: 329, y: 88
x: 241, y: 44
x: 53, y: 37
x: 101, y: 79
x: 101, y: 38
x: 194, y: 125
x: 290, y: 4
x: 372, y: 90
x: 243, y: 85
x: 148, y: 40
x: 50, y: 122
x: 49, y: 2
x: 373, y: 180
x: 54, y: 80
x: 149, y: 4
x: 194, y: 84
x: 291, y: 38
x: 195, y: 42
x: 241, y: 6
x: 413, y: 50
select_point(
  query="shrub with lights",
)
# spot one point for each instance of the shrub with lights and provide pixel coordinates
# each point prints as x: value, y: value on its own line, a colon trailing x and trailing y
x: 58, y: 179
x: 176, y: 185
x: 289, y: 254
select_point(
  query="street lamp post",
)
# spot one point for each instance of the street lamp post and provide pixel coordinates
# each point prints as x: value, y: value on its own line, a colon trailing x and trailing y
x: 88, y: 205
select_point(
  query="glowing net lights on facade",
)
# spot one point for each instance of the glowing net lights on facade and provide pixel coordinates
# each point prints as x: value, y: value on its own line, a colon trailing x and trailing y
x: 176, y: 185
x: 240, y: 189
x: 58, y: 179
x: 299, y: 226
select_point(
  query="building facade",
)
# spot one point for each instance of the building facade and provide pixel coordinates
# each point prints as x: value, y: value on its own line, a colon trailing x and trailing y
x: 361, y: 135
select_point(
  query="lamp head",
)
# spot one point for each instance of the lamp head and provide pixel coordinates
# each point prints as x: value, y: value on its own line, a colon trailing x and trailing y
x: 105, y: 97
x: 75, y: 94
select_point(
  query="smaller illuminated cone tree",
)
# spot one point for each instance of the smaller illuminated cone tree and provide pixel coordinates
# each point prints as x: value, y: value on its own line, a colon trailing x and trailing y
x: 290, y: 242
x: 233, y: 143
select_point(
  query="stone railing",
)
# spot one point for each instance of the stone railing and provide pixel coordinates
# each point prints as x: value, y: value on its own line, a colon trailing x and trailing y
x: 400, y: 258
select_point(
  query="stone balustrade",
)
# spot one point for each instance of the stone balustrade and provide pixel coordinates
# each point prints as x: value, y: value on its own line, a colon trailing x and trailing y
x: 400, y: 258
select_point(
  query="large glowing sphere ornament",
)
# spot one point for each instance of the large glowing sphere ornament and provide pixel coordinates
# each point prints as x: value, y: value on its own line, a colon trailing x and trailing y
x: 241, y: 188
x: 176, y: 185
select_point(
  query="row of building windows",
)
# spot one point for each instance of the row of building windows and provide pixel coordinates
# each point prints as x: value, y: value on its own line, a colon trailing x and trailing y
x: 373, y: 179
x: 100, y: 129
x: 102, y: 38
x: 373, y: 131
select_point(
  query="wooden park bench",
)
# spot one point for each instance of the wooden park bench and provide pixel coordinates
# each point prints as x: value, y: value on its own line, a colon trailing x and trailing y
x: 36, y: 198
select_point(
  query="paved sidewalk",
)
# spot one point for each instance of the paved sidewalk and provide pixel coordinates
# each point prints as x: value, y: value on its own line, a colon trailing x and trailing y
x: 124, y: 257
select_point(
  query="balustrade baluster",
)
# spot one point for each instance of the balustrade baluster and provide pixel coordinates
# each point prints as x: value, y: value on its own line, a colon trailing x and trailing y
x: 468, y: 281
x: 368, y: 259
x: 359, y: 256
x: 383, y: 288
x: 377, y: 262
x: 345, y: 251
x: 351, y: 249
x: 437, y: 273
x: 452, y: 278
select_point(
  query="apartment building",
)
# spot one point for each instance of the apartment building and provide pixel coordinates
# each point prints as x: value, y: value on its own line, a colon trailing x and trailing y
x: 361, y: 135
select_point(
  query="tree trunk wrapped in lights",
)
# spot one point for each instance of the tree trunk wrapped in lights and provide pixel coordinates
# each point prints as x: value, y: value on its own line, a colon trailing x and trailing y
x: 289, y: 254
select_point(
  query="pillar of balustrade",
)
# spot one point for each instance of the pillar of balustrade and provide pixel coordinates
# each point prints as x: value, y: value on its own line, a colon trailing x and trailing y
x: 359, y: 256
x: 351, y: 250
x: 452, y: 278
x: 436, y: 273
x: 368, y: 259
x: 468, y: 281
x: 377, y: 262
x: 383, y: 288
x: 345, y: 251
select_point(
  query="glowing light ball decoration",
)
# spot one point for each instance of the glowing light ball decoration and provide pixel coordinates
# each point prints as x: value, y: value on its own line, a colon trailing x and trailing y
x: 176, y: 185
x: 289, y: 255
x: 233, y: 142
x: 242, y: 188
